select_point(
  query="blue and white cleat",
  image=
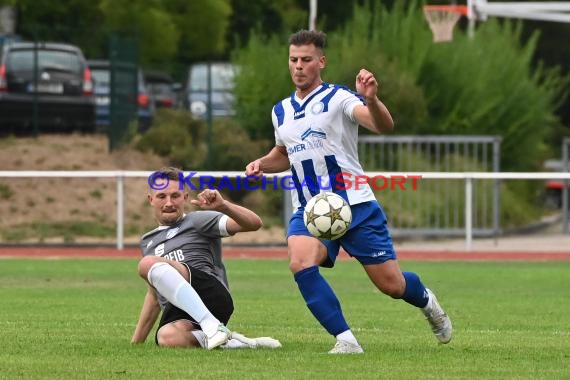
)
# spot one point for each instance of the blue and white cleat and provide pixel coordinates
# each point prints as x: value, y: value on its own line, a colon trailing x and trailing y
x: 438, y: 319
x: 343, y: 347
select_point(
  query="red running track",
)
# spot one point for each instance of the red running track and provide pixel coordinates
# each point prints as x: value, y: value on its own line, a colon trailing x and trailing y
x: 281, y: 254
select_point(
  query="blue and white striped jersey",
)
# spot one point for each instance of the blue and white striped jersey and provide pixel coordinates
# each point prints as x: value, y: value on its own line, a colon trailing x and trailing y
x: 320, y: 134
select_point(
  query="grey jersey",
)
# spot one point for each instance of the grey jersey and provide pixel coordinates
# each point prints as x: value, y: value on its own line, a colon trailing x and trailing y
x: 195, y: 241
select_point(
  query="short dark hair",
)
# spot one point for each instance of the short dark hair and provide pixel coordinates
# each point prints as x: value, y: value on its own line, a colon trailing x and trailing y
x: 170, y: 172
x: 309, y: 37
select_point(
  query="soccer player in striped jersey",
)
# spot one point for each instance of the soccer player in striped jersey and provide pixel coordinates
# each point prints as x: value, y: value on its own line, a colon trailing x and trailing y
x: 316, y: 133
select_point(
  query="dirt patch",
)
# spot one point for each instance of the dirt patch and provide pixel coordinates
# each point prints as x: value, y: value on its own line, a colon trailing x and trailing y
x: 79, y: 210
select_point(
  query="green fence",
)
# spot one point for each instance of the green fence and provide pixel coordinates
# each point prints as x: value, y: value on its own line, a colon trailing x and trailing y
x: 123, y: 54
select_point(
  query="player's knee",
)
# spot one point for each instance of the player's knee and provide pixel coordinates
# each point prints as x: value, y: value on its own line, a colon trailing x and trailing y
x: 394, y: 291
x: 298, y: 265
x: 145, y: 264
x: 167, y: 338
x: 170, y: 336
x: 394, y: 287
x: 299, y: 260
x: 295, y: 266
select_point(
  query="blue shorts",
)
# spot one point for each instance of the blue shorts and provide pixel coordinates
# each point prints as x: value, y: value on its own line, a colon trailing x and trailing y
x: 368, y: 238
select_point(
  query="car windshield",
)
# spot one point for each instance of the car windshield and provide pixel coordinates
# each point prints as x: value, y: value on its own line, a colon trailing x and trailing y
x: 101, y: 76
x: 160, y: 88
x: 50, y: 60
x: 222, y: 77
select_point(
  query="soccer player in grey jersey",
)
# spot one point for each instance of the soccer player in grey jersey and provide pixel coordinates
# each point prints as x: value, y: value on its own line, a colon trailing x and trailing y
x: 182, y: 264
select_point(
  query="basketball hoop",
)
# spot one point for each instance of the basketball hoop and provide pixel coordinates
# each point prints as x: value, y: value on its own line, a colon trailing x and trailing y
x: 442, y: 20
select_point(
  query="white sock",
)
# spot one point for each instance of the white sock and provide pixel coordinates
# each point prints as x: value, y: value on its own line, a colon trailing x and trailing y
x: 234, y: 343
x: 174, y: 287
x: 200, y: 337
x: 347, y: 336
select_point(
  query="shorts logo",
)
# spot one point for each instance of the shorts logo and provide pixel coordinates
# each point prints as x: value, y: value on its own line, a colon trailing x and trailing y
x: 379, y: 253
x: 172, y: 232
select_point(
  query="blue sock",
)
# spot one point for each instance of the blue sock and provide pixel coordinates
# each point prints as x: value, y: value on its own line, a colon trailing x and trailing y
x: 321, y: 300
x: 415, y: 293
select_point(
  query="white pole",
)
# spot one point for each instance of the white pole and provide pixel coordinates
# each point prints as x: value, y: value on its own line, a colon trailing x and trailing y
x: 468, y: 213
x: 557, y: 6
x: 471, y: 17
x: 557, y: 11
x: 120, y: 211
x: 565, y: 144
x: 312, y: 14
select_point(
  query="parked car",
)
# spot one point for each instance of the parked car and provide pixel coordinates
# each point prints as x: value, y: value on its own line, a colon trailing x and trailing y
x: 162, y: 88
x: 222, y: 76
x: 101, y: 71
x: 60, y: 85
x: 9, y: 38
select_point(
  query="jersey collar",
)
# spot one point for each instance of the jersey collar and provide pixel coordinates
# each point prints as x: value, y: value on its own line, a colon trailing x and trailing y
x: 295, y: 100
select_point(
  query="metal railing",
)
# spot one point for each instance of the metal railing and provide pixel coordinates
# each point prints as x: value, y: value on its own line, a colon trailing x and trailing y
x: 467, y: 177
x: 412, y: 214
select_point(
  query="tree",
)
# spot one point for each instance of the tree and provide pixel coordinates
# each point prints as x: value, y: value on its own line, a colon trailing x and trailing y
x: 71, y: 21
x: 203, y: 25
x: 267, y: 17
x: 148, y: 23
x: 166, y: 30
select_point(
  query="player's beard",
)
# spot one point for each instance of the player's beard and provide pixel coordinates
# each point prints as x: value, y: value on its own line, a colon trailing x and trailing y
x: 302, y: 82
x: 169, y: 218
x: 305, y: 84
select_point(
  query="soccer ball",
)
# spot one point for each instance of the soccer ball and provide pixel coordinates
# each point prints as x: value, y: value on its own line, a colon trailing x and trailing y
x: 327, y: 216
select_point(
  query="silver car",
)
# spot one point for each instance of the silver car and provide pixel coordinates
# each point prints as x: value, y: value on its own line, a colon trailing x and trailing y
x: 220, y: 85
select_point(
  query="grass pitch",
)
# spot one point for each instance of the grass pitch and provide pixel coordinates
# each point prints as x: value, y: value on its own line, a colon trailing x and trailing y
x: 73, y: 319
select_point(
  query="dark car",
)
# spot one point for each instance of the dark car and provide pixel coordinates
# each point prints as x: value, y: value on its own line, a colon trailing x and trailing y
x: 101, y: 71
x: 163, y: 89
x: 9, y: 38
x: 53, y: 87
x: 221, y: 86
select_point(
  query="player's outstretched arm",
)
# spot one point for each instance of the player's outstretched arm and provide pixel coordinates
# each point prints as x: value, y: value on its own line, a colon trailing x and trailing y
x: 273, y: 162
x: 241, y: 219
x: 375, y: 115
x: 148, y: 316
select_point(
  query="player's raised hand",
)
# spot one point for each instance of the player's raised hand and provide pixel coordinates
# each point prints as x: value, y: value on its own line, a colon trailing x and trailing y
x: 366, y: 84
x: 208, y: 199
x: 254, y: 168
